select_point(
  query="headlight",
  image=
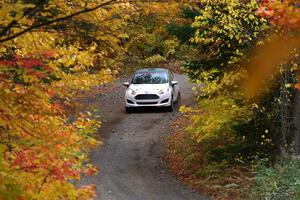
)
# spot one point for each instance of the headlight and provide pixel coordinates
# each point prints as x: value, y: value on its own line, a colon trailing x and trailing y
x: 131, y: 91
x: 163, y: 91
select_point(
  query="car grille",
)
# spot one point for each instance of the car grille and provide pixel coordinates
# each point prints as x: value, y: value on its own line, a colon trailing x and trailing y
x: 146, y: 103
x: 147, y: 96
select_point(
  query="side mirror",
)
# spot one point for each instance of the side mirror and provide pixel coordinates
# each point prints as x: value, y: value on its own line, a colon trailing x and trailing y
x: 174, y: 83
x: 126, y: 84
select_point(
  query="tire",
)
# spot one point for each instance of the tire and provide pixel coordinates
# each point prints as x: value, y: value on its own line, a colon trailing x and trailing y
x: 171, y: 107
x: 128, y: 110
x: 178, y: 102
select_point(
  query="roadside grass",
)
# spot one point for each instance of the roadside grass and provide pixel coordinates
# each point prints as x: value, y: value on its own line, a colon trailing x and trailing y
x: 188, y: 161
x: 280, y: 181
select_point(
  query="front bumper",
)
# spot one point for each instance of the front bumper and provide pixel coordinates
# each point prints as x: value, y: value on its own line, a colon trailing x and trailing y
x: 163, y: 101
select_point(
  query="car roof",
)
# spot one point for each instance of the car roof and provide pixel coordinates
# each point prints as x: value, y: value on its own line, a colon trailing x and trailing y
x: 152, y: 70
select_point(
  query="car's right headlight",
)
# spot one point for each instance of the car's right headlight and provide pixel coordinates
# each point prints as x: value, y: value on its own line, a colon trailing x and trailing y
x: 162, y: 91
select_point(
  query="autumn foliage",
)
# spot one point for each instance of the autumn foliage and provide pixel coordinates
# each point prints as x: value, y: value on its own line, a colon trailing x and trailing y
x: 40, y: 150
x: 48, y: 54
x: 246, y: 70
x: 284, y: 13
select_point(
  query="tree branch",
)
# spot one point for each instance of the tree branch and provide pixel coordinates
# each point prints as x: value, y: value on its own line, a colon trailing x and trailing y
x: 14, y: 22
x: 56, y: 20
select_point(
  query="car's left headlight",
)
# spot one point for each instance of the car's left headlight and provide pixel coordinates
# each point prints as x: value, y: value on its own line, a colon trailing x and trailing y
x: 131, y: 91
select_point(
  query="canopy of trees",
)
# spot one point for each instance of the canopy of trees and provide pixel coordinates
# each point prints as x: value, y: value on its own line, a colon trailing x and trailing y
x: 51, y: 50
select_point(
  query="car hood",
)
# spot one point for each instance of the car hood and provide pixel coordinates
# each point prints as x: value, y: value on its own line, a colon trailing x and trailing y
x: 148, y: 88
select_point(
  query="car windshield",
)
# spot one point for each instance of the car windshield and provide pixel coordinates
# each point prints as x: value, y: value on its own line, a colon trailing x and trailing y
x: 148, y: 77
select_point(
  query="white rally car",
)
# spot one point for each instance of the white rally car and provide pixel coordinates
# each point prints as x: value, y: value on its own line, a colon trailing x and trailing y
x: 152, y: 87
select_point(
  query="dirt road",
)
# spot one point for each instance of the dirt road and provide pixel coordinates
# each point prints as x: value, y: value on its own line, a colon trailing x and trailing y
x: 130, y: 159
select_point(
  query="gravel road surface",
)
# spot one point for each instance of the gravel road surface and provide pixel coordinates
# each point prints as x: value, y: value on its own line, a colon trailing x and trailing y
x: 130, y: 159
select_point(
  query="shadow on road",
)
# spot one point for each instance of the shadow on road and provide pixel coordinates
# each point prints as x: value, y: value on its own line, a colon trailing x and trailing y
x: 149, y: 110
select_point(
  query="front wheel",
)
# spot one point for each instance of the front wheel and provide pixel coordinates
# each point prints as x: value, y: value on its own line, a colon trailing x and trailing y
x: 128, y: 109
x: 178, y: 102
x: 170, y: 108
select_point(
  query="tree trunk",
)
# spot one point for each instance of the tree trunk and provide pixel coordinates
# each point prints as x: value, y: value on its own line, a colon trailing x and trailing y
x: 296, y: 120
